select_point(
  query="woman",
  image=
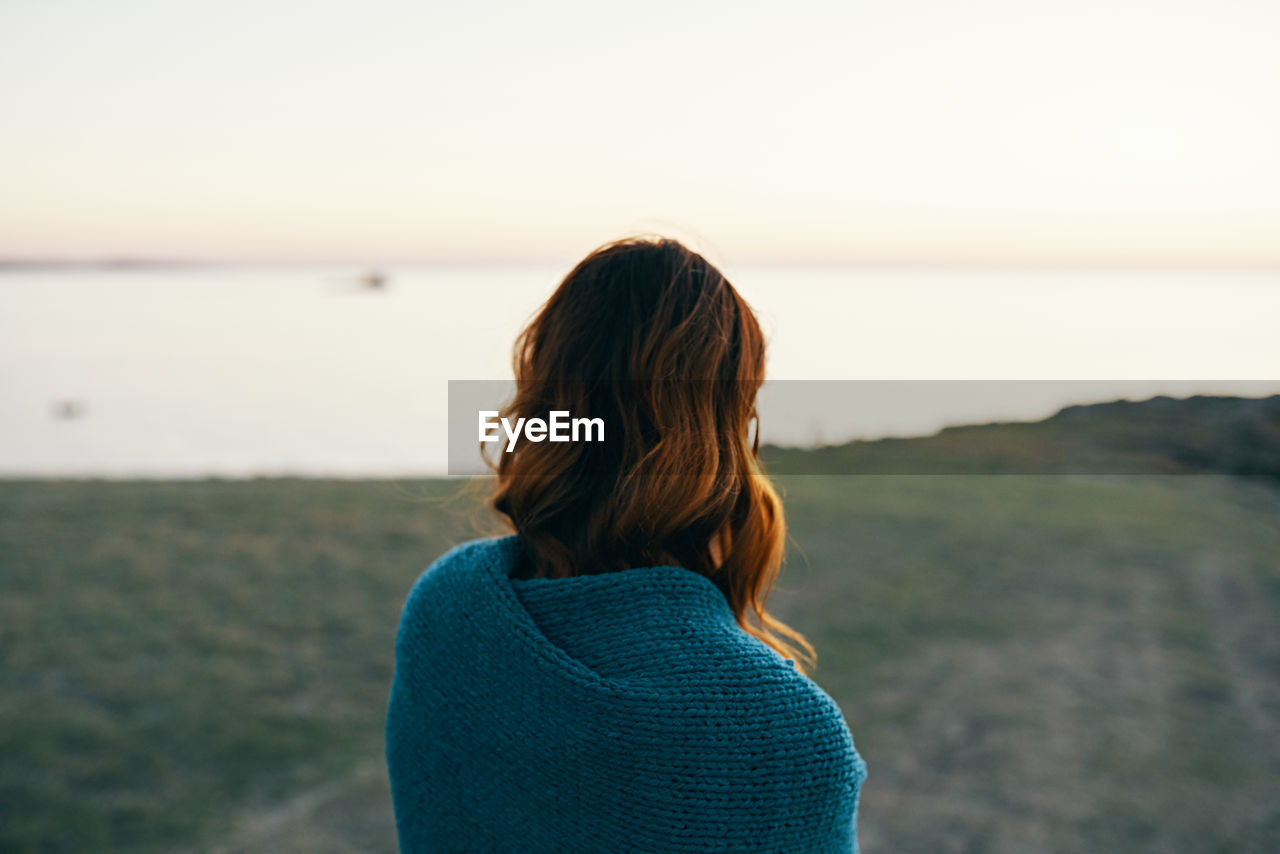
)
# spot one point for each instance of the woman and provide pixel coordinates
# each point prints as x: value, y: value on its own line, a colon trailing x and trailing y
x: 607, y: 678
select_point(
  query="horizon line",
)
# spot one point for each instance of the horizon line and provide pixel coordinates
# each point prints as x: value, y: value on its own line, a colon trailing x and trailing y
x: 106, y: 263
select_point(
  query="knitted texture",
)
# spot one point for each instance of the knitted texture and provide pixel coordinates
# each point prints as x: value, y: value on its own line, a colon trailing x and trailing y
x: 619, y: 711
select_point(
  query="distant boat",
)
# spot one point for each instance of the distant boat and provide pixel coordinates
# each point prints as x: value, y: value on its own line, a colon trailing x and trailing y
x: 373, y: 280
x: 67, y: 410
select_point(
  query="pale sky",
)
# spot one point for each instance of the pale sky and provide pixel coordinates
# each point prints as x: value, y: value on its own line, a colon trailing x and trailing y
x: 993, y: 131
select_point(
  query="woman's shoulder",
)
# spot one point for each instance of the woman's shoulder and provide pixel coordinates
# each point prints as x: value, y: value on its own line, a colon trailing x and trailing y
x: 788, y: 708
x: 478, y: 549
x: 798, y: 703
x: 451, y: 587
x: 454, y: 564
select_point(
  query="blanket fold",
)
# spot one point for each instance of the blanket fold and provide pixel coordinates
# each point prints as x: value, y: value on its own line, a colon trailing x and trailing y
x: 621, y: 711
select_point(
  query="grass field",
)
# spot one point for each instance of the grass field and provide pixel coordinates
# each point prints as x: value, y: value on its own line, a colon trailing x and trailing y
x: 1028, y: 663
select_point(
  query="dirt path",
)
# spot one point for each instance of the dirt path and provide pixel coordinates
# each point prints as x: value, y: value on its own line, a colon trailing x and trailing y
x: 350, y: 814
x: 1245, y: 640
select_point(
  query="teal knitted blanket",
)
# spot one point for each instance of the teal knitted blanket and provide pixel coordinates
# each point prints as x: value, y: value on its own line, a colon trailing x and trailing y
x: 621, y: 711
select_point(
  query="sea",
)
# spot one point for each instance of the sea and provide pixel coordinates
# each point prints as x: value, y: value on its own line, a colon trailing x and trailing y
x: 152, y: 371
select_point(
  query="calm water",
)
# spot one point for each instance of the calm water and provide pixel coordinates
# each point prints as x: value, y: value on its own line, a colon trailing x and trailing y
x: 301, y: 370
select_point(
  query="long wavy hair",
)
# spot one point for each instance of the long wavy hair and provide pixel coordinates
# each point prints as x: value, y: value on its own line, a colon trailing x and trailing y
x: 648, y: 336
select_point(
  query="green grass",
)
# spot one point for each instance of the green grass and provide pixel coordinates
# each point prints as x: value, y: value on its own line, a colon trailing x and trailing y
x: 175, y: 653
x: 1049, y: 663
x: 1028, y: 663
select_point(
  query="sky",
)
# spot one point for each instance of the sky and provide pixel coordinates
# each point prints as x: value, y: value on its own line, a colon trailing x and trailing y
x: 1112, y: 132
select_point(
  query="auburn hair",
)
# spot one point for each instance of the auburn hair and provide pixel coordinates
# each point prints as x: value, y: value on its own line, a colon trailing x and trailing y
x: 650, y: 337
